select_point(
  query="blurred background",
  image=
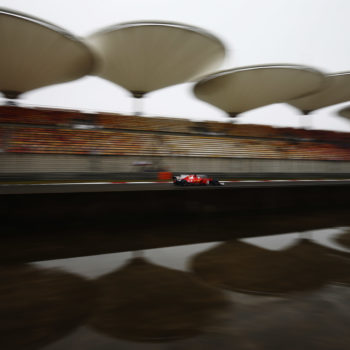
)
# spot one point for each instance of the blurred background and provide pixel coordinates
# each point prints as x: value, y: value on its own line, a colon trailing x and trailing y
x: 102, y: 103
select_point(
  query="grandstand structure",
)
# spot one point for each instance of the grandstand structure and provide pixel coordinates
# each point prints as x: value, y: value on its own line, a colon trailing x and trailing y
x: 53, y: 142
x: 143, y: 57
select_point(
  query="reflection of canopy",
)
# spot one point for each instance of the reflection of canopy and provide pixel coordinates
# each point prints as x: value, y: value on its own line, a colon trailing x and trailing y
x: 143, y: 301
x: 241, y: 89
x: 239, y: 266
x: 345, y: 112
x: 35, y: 53
x: 309, y: 321
x: 337, y: 90
x: 146, y: 56
x: 39, y: 306
x: 344, y: 239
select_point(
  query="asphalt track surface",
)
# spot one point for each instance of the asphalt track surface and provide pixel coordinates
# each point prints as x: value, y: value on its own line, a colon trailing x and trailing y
x: 155, y: 186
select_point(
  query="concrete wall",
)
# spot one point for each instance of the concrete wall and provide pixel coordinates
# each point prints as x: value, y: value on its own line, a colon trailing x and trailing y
x: 116, y: 206
x: 35, y: 163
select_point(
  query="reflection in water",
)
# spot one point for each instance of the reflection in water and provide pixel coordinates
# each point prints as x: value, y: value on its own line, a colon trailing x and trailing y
x: 38, y: 306
x: 54, y: 243
x: 317, y: 321
x: 240, y: 266
x: 344, y: 239
x: 144, y: 301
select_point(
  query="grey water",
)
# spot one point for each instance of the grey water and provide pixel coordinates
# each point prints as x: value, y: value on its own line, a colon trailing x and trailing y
x: 289, y: 291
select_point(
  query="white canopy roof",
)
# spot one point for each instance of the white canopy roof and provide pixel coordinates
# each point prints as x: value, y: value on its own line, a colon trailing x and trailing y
x: 35, y: 53
x: 345, y: 112
x: 147, y: 56
x: 241, y: 89
x: 337, y: 90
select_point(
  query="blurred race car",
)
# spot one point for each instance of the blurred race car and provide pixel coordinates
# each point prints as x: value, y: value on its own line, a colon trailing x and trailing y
x: 194, y: 179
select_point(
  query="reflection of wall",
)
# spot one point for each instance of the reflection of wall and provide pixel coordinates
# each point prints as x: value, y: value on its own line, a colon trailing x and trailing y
x: 39, y: 246
x: 34, y: 163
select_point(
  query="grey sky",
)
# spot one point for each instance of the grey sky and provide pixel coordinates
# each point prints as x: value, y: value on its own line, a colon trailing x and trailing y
x: 307, y: 32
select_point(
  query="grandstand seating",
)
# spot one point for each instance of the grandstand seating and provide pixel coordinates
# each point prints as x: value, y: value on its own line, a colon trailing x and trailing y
x: 69, y: 141
x: 29, y: 130
x: 114, y: 121
x: 37, y: 116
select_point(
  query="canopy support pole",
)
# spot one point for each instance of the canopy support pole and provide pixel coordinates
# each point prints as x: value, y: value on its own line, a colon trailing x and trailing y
x: 137, y: 97
x: 11, y: 97
x: 304, y: 118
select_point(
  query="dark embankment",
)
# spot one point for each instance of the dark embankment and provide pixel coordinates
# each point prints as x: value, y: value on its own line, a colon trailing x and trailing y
x: 57, y: 225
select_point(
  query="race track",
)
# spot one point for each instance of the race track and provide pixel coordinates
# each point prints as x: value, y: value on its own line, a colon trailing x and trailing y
x: 155, y: 186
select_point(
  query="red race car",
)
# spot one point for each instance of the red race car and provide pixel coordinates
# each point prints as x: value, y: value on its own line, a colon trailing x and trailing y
x: 194, y: 179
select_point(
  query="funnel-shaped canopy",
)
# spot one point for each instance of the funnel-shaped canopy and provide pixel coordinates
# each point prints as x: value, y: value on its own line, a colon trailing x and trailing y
x: 147, y: 56
x: 336, y: 90
x: 242, y: 89
x: 35, y: 53
x: 345, y: 112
